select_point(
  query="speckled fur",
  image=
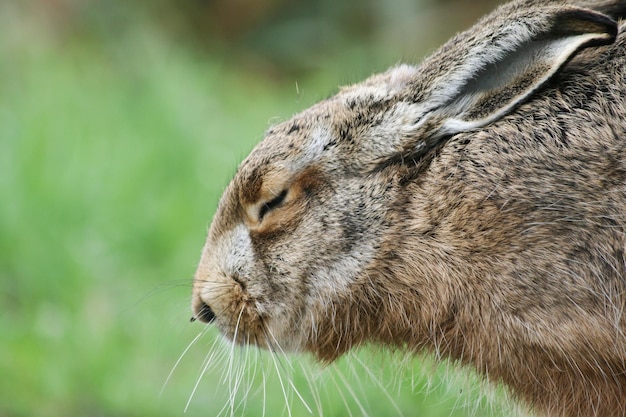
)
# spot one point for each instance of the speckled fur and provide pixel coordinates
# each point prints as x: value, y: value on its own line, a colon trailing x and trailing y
x: 502, y: 246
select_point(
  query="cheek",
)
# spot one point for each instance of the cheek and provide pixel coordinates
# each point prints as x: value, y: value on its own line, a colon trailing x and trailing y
x: 266, y: 271
x: 337, y: 246
x: 275, y: 280
x: 311, y: 263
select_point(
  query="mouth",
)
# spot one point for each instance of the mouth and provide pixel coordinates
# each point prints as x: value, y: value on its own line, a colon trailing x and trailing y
x: 241, y: 323
x: 238, y: 324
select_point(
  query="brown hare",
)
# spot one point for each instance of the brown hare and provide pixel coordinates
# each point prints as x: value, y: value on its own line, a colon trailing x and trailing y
x: 473, y: 206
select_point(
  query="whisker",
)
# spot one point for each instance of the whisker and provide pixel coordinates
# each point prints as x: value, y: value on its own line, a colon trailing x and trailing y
x: 351, y: 391
x: 378, y: 383
x: 340, y: 392
x: 264, y: 389
x: 279, y: 348
x: 206, y: 365
x: 280, y: 378
x: 233, y: 387
x: 245, y: 375
x: 241, y: 375
x: 180, y: 358
x: 154, y: 291
x: 289, y: 379
x: 313, y: 389
x: 300, y: 396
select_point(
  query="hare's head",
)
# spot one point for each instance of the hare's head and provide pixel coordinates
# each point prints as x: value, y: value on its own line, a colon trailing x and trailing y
x: 301, y: 234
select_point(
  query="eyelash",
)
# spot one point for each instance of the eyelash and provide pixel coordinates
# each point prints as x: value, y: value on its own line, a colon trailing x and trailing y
x: 272, y: 204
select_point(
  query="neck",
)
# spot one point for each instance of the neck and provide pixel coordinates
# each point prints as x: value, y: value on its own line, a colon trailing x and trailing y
x: 401, y: 310
x: 447, y: 305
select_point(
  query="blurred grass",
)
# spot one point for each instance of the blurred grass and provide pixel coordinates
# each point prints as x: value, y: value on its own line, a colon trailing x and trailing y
x: 113, y: 154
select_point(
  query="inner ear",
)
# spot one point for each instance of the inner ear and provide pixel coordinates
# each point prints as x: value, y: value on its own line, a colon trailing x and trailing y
x: 499, y: 85
x: 495, y: 77
x: 493, y: 68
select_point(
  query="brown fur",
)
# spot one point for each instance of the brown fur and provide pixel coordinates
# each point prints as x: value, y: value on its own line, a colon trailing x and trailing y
x: 502, y: 247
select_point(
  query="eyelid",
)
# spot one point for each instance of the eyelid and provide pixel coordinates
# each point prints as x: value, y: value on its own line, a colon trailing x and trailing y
x: 272, y: 204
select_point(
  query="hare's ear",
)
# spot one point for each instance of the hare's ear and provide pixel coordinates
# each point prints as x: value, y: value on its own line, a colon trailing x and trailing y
x: 484, y: 73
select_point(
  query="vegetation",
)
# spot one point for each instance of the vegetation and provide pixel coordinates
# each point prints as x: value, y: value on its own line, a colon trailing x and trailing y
x: 114, y: 149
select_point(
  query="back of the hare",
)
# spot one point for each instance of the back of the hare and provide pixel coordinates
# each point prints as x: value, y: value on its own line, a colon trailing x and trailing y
x: 473, y: 206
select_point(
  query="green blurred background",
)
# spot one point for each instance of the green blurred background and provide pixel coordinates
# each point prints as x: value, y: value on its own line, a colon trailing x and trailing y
x: 120, y: 124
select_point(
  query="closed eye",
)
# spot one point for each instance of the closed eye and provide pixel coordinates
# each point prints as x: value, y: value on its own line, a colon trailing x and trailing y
x: 272, y: 204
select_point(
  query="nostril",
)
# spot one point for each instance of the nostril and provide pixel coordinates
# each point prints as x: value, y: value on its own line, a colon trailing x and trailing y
x: 205, y: 314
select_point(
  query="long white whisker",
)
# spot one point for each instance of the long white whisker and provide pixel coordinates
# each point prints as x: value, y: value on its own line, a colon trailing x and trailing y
x: 180, y: 358
x: 292, y: 369
x: 379, y: 384
x: 300, y: 396
x: 282, y: 385
x: 223, y: 409
x: 233, y: 388
x: 207, y: 363
x: 240, y: 377
x: 277, y: 345
x: 250, y: 377
x: 314, y: 390
x: 340, y: 392
x: 264, y: 389
x: 351, y: 391
x: 280, y: 378
x: 354, y: 376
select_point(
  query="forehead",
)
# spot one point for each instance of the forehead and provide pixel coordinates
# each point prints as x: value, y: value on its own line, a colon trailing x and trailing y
x: 295, y: 141
x: 310, y: 136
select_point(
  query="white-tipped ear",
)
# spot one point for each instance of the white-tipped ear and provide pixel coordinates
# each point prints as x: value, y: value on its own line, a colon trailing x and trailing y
x: 485, y: 72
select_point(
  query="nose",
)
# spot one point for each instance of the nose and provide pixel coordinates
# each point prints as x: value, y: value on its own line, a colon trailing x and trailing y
x: 202, y: 312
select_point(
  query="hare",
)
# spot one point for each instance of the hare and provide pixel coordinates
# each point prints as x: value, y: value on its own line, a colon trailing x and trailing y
x: 473, y: 206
